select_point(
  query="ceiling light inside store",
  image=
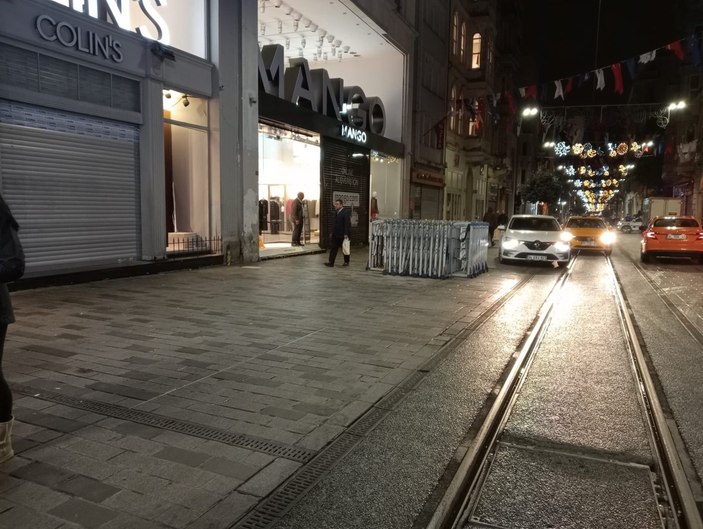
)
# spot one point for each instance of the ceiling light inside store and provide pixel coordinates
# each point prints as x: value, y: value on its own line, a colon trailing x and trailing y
x: 277, y: 3
x: 295, y: 25
x: 280, y: 27
x: 289, y: 10
x: 330, y: 38
x: 302, y: 42
x: 287, y: 43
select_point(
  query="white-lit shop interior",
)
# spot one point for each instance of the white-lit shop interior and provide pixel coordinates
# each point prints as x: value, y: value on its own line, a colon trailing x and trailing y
x: 336, y: 36
x: 289, y: 163
x: 191, y: 192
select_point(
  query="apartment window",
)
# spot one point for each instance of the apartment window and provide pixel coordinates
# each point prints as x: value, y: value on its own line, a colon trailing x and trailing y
x: 462, y: 43
x: 476, y: 51
x: 455, y: 33
x: 461, y: 113
x: 452, y: 109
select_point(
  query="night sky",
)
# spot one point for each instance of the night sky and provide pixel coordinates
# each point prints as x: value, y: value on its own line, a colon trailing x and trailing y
x: 560, y: 35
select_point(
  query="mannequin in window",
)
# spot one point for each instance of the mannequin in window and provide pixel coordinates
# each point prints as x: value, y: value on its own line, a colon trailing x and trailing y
x: 274, y: 214
x: 374, y: 205
x: 263, y: 215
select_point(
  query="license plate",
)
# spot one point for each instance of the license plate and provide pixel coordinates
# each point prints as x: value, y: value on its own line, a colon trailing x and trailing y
x: 588, y: 243
x: 676, y: 237
x: 537, y: 257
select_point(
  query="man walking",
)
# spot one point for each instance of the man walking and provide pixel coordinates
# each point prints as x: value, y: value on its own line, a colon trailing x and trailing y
x: 340, y: 232
x: 297, y: 220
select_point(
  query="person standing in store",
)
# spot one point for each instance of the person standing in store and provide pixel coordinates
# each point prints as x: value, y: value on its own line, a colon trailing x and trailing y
x: 340, y: 232
x: 11, y: 249
x: 297, y: 220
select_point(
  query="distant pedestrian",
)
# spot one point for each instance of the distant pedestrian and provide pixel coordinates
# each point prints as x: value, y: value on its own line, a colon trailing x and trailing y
x: 492, y: 219
x: 340, y: 232
x: 297, y: 215
x: 11, y: 268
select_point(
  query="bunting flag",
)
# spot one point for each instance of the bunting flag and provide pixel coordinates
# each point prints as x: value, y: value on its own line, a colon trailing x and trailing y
x: 511, y: 102
x: 691, y: 46
x: 677, y: 49
x: 617, y: 74
x: 632, y: 67
x: 648, y: 57
x: 569, y: 85
x: 558, y: 90
x: 600, y: 79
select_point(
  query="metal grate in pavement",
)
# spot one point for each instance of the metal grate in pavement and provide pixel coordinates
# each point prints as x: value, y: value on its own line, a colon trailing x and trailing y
x: 301, y: 455
x: 302, y: 481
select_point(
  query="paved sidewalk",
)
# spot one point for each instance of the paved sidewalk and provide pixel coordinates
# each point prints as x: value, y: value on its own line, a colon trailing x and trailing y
x: 184, y: 399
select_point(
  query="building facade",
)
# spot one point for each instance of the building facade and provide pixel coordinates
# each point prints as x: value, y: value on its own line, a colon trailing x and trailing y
x: 134, y: 132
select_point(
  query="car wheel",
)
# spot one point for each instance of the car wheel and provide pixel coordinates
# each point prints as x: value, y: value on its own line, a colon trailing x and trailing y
x: 562, y: 264
x: 502, y: 260
x: 627, y: 229
x: 700, y: 259
x: 645, y: 257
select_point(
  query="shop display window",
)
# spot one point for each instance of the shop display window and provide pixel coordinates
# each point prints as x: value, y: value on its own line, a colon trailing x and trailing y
x: 386, y: 178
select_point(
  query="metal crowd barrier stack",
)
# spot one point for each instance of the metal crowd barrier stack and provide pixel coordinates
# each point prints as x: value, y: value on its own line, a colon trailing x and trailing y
x: 428, y: 248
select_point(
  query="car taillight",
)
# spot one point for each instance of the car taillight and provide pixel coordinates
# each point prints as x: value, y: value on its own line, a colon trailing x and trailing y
x: 650, y: 234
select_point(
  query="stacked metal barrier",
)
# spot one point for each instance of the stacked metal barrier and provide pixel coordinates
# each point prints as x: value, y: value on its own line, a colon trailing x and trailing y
x: 428, y: 248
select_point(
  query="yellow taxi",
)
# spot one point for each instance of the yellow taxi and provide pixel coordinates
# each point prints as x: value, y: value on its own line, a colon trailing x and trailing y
x: 590, y: 233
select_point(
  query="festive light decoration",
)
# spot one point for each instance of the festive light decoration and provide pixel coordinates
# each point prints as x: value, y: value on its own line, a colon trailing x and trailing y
x: 577, y: 148
x: 561, y: 149
x: 622, y: 149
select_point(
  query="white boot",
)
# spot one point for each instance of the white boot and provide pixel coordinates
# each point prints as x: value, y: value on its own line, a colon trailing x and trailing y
x: 6, y: 451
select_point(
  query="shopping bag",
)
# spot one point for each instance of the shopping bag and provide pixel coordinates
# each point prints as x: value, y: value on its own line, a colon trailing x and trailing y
x: 346, y: 247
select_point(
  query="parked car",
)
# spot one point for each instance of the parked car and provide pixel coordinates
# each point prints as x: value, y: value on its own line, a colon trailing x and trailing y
x: 590, y: 233
x: 628, y: 226
x: 679, y: 236
x: 534, y: 238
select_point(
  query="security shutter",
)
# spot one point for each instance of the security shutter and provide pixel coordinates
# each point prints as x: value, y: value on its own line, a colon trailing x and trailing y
x: 72, y: 183
x: 346, y: 169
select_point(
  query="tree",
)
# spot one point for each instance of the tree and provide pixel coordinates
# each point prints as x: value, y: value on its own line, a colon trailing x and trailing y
x: 548, y: 186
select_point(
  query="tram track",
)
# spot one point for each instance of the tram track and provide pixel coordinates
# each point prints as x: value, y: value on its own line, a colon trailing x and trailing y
x: 676, y: 501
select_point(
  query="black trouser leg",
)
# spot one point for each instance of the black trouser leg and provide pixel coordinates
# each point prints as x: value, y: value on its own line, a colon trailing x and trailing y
x: 336, y: 245
x: 5, y: 393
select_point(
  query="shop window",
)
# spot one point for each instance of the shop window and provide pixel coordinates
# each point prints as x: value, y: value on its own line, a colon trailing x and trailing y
x: 455, y: 34
x: 473, y: 126
x: 192, y: 197
x: 386, y: 178
x: 462, y: 43
x: 476, y: 51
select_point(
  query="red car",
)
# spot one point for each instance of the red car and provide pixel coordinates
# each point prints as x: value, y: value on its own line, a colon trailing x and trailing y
x: 680, y: 236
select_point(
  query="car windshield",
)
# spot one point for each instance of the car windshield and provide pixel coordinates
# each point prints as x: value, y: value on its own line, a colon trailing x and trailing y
x: 675, y: 223
x: 534, y: 224
x: 585, y: 223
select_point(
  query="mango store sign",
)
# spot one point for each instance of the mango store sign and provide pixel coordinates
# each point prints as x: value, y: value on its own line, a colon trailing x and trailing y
x: 313, y: 89
x: 120, y: 11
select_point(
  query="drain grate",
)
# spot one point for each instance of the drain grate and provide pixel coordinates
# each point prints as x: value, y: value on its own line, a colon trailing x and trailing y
x: 301, y: 455
x: 280, y: 501
x: 367, y: 421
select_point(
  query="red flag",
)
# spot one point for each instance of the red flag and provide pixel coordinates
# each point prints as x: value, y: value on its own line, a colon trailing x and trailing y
x: 677, y: 49
x: 569, y: 85
x: 511, y: 102
x: 531, y: 91
x: 617, y: 73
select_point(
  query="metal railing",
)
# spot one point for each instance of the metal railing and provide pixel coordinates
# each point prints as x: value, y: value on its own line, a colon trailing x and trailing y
x: 428, y: 248
x: 194, y: 245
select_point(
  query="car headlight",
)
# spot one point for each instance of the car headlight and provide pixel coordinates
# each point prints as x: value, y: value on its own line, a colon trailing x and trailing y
x: 608, y: 238
x: 561, y: 246
x: 509, y: 243
x: 566, y: 236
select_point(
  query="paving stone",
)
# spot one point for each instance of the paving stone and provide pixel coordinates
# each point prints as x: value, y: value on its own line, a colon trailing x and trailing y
x: 22, y: 517
x: 269, y: 478
x: 234, y: 469
x: 224, y: 513
x: 127, y: 391
x: 87, y: 488
x: 43, y: 473
x: 185, y: 457
x: 83, y: 513
x: 35, y: 496
x: 48, y: 421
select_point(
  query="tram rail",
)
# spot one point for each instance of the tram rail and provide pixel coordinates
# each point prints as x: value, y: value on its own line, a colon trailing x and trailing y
x: 677, y: 503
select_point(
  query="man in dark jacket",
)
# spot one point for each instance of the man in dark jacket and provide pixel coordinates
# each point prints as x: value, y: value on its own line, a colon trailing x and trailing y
x: 297, y: 220
x: 340, y: 232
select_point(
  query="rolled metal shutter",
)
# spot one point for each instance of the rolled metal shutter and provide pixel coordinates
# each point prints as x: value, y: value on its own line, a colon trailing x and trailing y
x: 346, y: 168
x: 72, y: 183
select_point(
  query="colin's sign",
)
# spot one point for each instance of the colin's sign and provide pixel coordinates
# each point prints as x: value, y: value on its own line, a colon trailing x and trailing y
x: 313, y: 89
